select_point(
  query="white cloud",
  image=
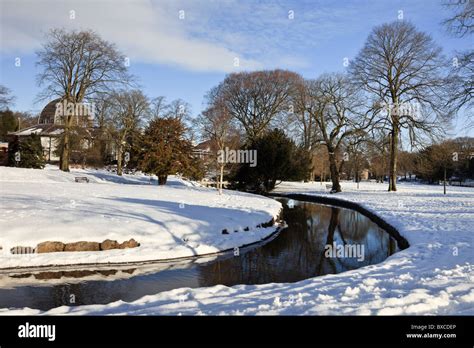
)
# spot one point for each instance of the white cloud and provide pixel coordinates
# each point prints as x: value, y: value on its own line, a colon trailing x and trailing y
x: 145, y: 31
x: 210, y: 37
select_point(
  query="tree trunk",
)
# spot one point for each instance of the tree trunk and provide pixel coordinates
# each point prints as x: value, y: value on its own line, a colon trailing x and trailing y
x: 333, y: 223
x: 221, y: 179
x: 269, y: 184
x: 444, y: 181
x: 336, y: 186
x: 162, y: 179
x: 392, y: 180
x: 64, y: 159
x: 119, y: 160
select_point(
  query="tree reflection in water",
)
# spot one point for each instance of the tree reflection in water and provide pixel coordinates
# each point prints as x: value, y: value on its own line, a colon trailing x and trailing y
x: 295, y: 254
x: 298, y: 252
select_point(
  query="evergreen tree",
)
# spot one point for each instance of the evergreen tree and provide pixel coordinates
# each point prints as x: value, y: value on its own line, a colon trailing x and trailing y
x: 165, y: 150
x: 30, y: 152
x: 278, y: 158
x: 8, y: 123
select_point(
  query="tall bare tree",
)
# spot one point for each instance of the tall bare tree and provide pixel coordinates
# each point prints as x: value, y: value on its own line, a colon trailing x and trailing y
x: 254, y: 99
x: 158, y: 107
x: 307, y: 128
x: 126, y: 114
x: 218, y: 126
x: 179, y: 109
x: 340, y: 113
x: 461, y: 82
x: 461, y: 22
x: 402, y: 69
x: 461, y: 78
x: 77, y: 65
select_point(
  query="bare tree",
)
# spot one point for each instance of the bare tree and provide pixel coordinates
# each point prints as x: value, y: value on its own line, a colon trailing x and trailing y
x: 461, y: 21
x: 401, y: 68
x: 461, y: 78
x: 357, y: 158
x: 127, y: 112
x: 378, y: 147
x: 461, y: 81
x: 6, y: 99
x: 217, y: 125
x: 319, y: 163
x: 179, y: 109
x: 158, y: 107
x: 254, y: 99
x: 435, y: 162
x: 407, y: 163
x: 339, y: 113
x: 305, y: 122
x: 78, y: 65
x: 302, y: 125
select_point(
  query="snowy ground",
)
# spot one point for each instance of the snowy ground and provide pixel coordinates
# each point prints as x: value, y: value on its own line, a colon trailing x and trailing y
x: 435, y: 275
x: 176, y: 220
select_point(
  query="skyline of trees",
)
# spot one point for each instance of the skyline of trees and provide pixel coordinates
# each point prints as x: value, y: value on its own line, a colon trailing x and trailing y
x: 401, y: 68
x: 399, y: 88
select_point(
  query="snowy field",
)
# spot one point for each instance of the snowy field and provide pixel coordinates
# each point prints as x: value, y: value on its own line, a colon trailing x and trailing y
x: 435, y: 275
x: 177, y: 220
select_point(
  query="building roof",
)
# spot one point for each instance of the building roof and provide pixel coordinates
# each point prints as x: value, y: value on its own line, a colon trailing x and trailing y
x: 54, y: 112
x: 40, y: 129
x: 48, y: 113
x: 204, y: 146
x: 49, y: 124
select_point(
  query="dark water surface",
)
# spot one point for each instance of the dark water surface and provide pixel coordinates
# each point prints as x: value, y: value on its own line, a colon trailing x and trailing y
x: 296, y: 253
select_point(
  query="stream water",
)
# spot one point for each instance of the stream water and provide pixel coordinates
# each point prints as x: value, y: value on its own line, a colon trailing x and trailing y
x: 320, y: 239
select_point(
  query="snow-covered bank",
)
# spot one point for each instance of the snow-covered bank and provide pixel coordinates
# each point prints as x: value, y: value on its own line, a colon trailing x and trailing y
x: 433, y: 276
x: 176, y: 220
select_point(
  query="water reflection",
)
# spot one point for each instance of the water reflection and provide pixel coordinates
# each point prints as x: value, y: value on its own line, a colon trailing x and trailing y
x: 297, y: 253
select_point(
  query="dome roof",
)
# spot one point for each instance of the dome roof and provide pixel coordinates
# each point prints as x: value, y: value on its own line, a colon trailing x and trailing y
x: 54, y: 114
x: 48, y: 112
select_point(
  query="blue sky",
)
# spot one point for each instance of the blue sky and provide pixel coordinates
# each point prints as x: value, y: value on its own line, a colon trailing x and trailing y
x: 182, y: 48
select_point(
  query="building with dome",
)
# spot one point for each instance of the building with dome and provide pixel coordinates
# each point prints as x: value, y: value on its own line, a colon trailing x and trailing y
x: 50, y: 127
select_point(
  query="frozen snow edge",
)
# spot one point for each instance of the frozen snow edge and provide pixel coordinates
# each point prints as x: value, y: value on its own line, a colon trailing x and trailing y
x: 169, y: 222
x: 279, y: 226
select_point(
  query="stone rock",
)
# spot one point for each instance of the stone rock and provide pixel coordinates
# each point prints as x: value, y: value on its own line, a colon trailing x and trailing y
x: 267, y: 224
x: 49, y: 247
x: 132, y: 243
x: 82, y: 246
x: 109, y: 244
